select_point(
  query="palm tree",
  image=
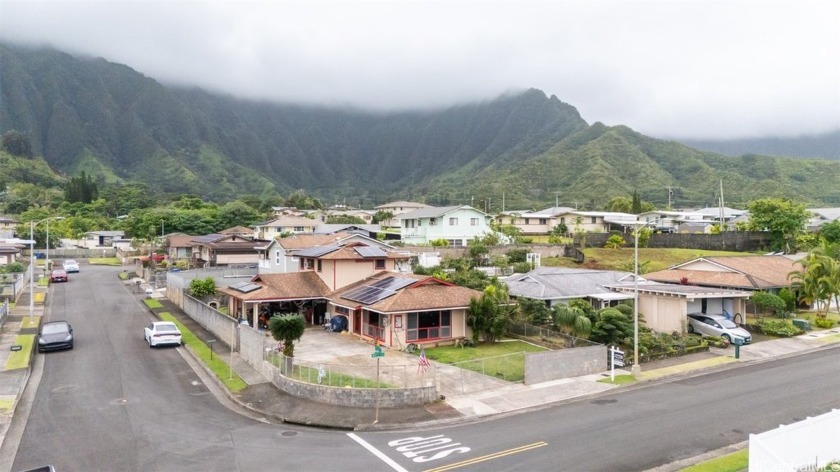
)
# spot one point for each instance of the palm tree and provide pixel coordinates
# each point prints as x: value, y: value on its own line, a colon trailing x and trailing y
x: 288, y: 328
x: 573, y: 321
x: 819, y: 279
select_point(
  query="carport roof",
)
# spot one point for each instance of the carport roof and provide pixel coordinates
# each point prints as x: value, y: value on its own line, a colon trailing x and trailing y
x: 688, y: 291
x: 290, y: 286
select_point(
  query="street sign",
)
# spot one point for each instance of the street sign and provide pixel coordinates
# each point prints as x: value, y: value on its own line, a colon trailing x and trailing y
x: 377, y: 352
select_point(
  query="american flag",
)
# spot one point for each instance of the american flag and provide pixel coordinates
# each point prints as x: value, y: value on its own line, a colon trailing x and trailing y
x: 423, y: 363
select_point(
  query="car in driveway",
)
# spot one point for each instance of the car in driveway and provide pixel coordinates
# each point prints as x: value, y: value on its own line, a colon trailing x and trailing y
x: 70, y: 266
x: 58, y: 275
x: 717, y: 325
x: 54, y: 336
x: 161, y: 333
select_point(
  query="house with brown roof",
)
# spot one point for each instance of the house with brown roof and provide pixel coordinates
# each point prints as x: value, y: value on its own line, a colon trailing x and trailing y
x: 178, y: 246
x: 402, y: 309
x: 242, y: 231
x: 280, y: 255
x: 216, y: 249
x: 751, y: 273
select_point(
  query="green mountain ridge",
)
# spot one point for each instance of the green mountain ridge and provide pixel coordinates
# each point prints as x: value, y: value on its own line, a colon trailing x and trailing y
x: 118, y: 125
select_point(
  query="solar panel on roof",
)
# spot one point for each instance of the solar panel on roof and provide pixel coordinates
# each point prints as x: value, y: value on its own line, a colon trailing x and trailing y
x: 245, y: 287
x: 368, y: 294
x: 393, y: 283
x: 316, y: 251
x: 368, y: 251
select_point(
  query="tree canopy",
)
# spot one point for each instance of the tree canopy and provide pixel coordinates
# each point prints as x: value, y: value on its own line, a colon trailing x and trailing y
x: 783, y: 218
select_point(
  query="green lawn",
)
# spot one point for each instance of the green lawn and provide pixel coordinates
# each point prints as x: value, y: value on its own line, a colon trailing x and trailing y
x: 217, y: 364
x: 152, y: 303
x: 650, y: 259
x: 619, y: 380
x: 20, y: 359
x: 734, y: 462
x: 110, y: 261
x: 503, y: 359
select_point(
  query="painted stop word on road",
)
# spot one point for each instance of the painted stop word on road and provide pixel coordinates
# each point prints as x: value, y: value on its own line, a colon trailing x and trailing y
x: 429, y: 448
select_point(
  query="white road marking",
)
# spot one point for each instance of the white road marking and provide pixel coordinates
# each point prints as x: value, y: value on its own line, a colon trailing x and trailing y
x: 376, y: 452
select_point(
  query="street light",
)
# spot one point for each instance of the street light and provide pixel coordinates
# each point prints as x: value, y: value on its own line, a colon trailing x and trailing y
x: 636, y: 370
x: 48, y: 238
x: 32, y: 261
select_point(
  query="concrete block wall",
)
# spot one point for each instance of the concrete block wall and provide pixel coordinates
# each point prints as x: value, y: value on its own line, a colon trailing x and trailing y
x: 252, y: 347
x: 564, y: 363
x: 222, y: 326
x: 353, y: 397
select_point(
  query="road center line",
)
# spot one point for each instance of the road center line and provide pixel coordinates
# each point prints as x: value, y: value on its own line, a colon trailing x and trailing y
x: 376, y: 452
x: 488, y: 457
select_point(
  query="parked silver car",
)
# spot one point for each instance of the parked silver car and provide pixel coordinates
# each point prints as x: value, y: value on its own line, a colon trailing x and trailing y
x: 717, y: 325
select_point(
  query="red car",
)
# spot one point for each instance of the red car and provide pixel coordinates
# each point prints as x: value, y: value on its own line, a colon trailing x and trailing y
x: 58, y: 275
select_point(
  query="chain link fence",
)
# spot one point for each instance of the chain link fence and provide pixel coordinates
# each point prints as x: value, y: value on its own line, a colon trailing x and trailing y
x: 547, y: 337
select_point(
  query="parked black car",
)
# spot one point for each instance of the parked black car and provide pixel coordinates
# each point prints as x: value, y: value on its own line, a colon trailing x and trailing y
x: 55, y: 335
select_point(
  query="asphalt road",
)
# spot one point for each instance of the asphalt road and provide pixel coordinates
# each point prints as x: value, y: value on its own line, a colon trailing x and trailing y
x: 114, y: 404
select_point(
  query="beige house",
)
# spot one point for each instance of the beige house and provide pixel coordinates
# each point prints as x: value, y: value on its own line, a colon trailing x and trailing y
x: 665, y: 306
x: 751, y: 273
x: 576, y: 221
x: 285, y: 224
x: 213, y: 250
x: 401, y: 309
x: 398, y: 208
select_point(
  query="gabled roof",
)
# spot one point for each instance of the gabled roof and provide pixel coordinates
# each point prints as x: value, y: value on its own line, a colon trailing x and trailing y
x: 238, y: 230
x: 300, y: 241
x: 290, y: 220
x: 547, y: 213
x: 401, y: 203
x: 554, y: 283
x: 180, y: 240
x: 746, y: 272
x: 427, y: 293
x: 434, y: 212
x: 829, y: 214
x: 289, y: 286
x: 715, y: 212
x: 347, y: 228
x: 106, y: 233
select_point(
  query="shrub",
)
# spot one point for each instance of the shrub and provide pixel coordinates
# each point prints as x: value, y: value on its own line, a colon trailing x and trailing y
x: 615, y: 242
x: 789, y: 297
x: 766, y: 301
x: 522, y: 267
x: 201, y: 288
x: 14, y: 267
x: 781, y: 328
x: 823, y: 323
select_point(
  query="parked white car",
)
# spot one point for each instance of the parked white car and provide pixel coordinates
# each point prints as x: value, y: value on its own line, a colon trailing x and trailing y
x: 717, y: 325
x: 162, y: 332
x: 70, y: 266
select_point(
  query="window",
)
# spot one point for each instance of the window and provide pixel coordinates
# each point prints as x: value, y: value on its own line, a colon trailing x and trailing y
x: 277, y: 256
x: 432, y: 221
x: 562, y: 220
x: 473, y: 221
x: 309, y: 263
x: 299, y: 229
x: 427, y: 325
x: 455, y: 242
x: 543, y: 221
x: 453, y: 221
x: 380, y: 264
x: 373, y: 325
x: 527, y: 221
x: 594, y: 219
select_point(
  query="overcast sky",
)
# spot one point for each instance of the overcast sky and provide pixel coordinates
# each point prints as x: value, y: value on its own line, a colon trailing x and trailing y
x: 668, y: 68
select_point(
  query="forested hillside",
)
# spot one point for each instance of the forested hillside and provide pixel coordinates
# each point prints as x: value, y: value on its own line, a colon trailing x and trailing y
x: 114, y: 123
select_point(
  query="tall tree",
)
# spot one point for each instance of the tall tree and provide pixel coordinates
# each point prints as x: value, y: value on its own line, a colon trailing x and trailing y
x: 572, y: 320
x: 637, y: 203
x: 490, y: 315
x: 784, y: 219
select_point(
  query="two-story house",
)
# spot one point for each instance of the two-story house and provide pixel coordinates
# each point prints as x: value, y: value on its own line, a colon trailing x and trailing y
x: 7, y: 227
x: 285, y: 224
x: 280, y: 255
x: 455, y: 224
x: 398, y: 208
x: 535, y: 222
x: 216, y: 249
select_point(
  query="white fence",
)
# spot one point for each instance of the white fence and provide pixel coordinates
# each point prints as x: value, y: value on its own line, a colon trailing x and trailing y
x: 807, y: 445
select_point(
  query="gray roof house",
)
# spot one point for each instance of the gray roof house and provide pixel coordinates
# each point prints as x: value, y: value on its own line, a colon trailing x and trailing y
x: 559, y: 285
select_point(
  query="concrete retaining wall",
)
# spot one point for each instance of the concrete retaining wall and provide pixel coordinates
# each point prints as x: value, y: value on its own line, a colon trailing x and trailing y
x: 221, y: 325
x: 252, y: 347
x: 353, y: 397
x: 564, y: 363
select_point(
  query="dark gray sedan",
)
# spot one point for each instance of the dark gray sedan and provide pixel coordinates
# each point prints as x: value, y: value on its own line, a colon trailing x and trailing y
x: 54, y: 336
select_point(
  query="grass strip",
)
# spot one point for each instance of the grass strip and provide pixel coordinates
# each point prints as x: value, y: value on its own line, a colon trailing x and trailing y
x: 34, y: 323
x: 217, y: 364
x: 110, y: 261
x: 39, y: 298
x: 5, y: 406
x: 43, y: 282
x: 735, y: 462
x: 20, y: 359
x: 152, y: 303
x: 619, y: 380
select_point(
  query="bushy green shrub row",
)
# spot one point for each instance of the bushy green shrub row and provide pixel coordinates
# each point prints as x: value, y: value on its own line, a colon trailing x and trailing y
x: 823, y: 323
x: 782, y: 328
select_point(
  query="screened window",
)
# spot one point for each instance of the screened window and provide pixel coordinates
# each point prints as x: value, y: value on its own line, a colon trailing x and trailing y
x: 427, y: 325
x: 453, y: 221
x: 380, y: 264
x: 473, y: 221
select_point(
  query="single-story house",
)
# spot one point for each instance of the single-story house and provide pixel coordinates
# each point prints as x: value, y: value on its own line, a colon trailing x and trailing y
x: 665, y: 306
x: 557, y: 285
x: 10, y: 253
x: 101, y: 239
x: 401, y: 309
x: 284, y: 224
x: 750, y: 273
x: 397, y: 208
x: 178, y: 246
